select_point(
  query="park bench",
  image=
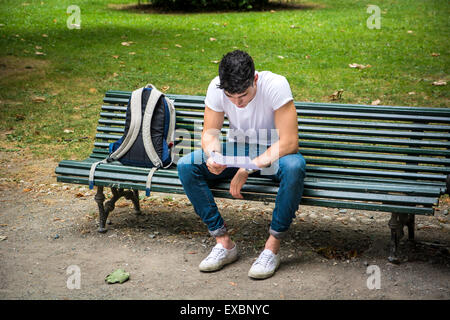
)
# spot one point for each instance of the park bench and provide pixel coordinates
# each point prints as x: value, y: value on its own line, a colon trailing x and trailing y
x: 380, y: 158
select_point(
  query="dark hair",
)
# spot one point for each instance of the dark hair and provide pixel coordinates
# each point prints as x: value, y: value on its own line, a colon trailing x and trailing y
x: 236, y: 72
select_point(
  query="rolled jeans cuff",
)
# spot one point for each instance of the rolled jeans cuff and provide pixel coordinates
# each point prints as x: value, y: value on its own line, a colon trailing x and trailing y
x: 219, y: 232
x: 278, y: 234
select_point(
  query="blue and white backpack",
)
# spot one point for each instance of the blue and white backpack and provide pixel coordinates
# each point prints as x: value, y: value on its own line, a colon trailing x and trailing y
x: 148, y: 140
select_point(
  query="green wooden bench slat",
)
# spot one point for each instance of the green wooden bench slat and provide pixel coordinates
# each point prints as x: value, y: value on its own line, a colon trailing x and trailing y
x: 367, y: 206
x: 377, y: 173
x: 373, y: 156
x: 378, y: 165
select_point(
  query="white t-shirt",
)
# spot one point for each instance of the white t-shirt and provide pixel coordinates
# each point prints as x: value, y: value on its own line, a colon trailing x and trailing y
x: 254, y: 123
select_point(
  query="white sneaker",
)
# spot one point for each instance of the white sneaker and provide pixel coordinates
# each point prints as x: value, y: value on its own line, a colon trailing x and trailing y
x: 218, y: 257
x: 265, y: 266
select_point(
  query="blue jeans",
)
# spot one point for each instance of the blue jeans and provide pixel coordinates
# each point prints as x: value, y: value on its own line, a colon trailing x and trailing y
x: 289, y: 171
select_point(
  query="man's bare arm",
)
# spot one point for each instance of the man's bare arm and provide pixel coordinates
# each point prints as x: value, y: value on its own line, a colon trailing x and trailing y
x: 287, y: 125
x: 212, y: 124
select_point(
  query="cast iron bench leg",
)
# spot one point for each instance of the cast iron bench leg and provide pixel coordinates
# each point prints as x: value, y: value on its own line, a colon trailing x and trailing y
x: 105, y: 208
x: 396, y: 234
x: 397, y: 223
x: 103, y: 215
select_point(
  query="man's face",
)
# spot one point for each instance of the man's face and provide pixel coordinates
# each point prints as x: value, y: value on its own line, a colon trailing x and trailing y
x: 241, y: 100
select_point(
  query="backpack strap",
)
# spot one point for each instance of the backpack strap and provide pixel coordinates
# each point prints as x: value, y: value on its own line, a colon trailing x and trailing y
x: 155, y: 94
x: 135, y: 126
x: 171, y: 133
x: 92, y: 172
x: 148, y: 185
x: 133, y: 132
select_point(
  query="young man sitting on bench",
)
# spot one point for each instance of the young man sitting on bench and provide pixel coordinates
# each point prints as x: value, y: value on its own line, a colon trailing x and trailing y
x: 260, y: 109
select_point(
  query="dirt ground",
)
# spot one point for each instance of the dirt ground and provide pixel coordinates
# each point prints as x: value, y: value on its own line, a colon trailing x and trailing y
x: 46, y: 227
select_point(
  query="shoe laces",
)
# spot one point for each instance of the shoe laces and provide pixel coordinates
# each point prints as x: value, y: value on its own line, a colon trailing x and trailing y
x: 216, y: 253
x: 264, y: 259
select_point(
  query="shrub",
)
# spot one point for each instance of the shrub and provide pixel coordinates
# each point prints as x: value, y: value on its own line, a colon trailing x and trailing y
x: 189, y: 5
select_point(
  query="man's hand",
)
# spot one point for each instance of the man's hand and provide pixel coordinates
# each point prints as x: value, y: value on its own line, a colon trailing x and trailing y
x: 239, y: 179
x: 214, y: 167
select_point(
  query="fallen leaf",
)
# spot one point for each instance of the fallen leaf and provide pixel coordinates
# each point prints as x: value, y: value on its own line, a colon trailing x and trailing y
x: 79, y: 195
x: 38, y: 47
x: 307, y: 57
x: 212, y: 39
x: 359, y: 66
x: 126, y: 43
x: 337, y: 95
x: 178, y: 45
x: 38, y: 99
x: 192, y: 252
x: 115, y: 74
x: 233, y: 283
x: 376, y: 102
x: 3, y: 238
x: 281, y: 57
x: 165, y: 48
x: 115, y: 57
x: 38, y: 53
x: 440, y: 83
x: 132, y: 53
x: 165, y: 88
x: 44, y: 35
x: 410, y: 31
x: 411, y: 93
x: 92, y: 90
x: 68, y: 131
x: 26, y: 190
x: 293, y: 26
x: 434, y: 54
x: 272, y: 11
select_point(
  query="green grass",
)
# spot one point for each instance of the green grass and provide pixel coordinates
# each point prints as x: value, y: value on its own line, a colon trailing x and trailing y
x: 332, y: 33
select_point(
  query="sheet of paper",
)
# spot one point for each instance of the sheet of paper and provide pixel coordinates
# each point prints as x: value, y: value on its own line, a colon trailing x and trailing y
x: 231, y: 161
